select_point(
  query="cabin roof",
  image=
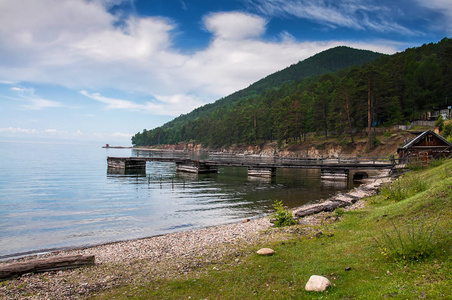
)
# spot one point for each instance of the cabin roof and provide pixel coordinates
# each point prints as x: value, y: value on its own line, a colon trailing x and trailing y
x: 422, y: 135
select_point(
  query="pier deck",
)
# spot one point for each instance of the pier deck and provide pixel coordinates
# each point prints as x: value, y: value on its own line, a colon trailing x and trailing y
x: 262, y: 167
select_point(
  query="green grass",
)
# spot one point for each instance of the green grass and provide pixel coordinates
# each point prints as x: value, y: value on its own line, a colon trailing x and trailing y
x: 404, y: 187
x: 346, y: 243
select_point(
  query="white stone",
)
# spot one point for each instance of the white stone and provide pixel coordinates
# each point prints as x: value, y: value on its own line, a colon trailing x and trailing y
x: 317, y: 284
x: 266, y: 251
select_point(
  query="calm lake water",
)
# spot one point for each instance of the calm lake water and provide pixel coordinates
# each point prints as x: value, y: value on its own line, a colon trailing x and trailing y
x: 55, y: 196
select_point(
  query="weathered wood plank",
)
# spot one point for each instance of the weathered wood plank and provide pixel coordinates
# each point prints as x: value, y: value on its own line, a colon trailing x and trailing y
x: 46, y: 265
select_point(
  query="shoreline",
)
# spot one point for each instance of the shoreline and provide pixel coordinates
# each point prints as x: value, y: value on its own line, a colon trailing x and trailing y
x: 366, y: 189
x: 356, y: 192
x: 44, y: 253
x: 165, y: 256
x: 54, y: 252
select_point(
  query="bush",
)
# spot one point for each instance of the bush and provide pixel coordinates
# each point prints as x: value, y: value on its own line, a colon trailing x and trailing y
x: 416, y: 185
x: 413, y: 241
x: 394, y: 191
x: 281, y: 217
x: 439, y: 123
x: 447, y: 130
x: 436, y: 162
x: 404, y: 187
x: 415, y: 166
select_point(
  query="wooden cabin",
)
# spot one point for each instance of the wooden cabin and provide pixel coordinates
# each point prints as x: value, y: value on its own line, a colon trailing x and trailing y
x: 428, y: 145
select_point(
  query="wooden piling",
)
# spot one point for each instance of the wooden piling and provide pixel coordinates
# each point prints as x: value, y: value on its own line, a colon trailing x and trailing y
x: 334, y: 174
x: 261, y: 172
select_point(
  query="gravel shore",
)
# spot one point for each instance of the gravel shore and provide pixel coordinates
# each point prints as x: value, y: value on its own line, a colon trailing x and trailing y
x: 166, y: 256
x: 134, y: 261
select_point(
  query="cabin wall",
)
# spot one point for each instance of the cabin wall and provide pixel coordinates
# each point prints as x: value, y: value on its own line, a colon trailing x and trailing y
x: 431, y: 140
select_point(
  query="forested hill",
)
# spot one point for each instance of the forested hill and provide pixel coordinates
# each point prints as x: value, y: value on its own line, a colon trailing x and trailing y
x: 309, y: 97
x: 328, y: 61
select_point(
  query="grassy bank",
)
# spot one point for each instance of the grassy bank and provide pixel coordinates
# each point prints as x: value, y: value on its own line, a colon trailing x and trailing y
x: 398, y: 246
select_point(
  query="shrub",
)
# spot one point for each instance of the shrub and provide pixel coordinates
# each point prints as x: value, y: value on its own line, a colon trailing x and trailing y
x: 447, y: 130
x: 440, y: 123
x: 436, y: 162
x: 394, y: 191
x: 412, y: 241
x: 281, y: 217
x: 404, y: 187
x: 415, y: 166
x: 416, y: 185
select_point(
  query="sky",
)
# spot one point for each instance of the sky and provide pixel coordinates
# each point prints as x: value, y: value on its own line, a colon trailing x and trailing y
x: 103, y: 70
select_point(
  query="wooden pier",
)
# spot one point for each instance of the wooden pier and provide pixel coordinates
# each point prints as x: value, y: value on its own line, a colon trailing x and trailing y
x: 331, y: 168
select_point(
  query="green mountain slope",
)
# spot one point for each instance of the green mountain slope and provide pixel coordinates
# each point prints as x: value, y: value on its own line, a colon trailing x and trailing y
x: 328, y: 61
x: 311, y: 97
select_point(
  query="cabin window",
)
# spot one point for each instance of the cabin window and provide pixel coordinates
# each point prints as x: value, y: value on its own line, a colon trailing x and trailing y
x: 429, y: 138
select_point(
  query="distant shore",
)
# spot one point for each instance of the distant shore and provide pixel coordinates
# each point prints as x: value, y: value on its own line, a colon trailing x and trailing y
x: 116, y: 147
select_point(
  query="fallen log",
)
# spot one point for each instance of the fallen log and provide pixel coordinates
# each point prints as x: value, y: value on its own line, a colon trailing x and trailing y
x: 46, y: 265
x: 329, y: 206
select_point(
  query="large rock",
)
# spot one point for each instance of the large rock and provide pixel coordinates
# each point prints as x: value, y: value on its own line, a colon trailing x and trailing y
x: 317, y: 284
x: 266, y: 251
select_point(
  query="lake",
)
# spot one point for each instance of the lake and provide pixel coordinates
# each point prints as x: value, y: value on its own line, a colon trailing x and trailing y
x: 60, y: 195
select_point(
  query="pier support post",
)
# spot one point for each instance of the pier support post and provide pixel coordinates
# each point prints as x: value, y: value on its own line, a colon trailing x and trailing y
x: 126, y: 164
x: 196, y: 167
x: 334, y: 174
x: 261, y: 172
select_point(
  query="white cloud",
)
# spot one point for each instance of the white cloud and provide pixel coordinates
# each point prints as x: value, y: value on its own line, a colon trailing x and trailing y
x: 235, y: 25
x: 122, y: 135
x: 113, y: 103
x: 38, y: 104
x: 51, y: 131
x: 77, y: 44
x: 32, y: 101
x: 231, y: 64
x: 444, y: 8
x: 78, y: 133
x: 138, y: 39
x: 166, y: 105
x: 355, y: 14
x: 18, y: 130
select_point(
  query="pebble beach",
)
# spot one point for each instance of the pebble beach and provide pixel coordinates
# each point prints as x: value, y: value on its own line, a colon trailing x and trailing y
x: 166, y: 256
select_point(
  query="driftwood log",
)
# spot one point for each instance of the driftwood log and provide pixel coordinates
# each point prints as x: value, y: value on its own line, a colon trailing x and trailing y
x: 46, y: 265
x: 317, y: 209
x: 327, y: 206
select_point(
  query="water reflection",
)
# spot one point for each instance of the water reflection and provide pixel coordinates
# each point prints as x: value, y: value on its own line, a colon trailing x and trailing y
x: 230, y: 188
x: 334, y: 184
x: 117, y: 171
x: 57, y: 196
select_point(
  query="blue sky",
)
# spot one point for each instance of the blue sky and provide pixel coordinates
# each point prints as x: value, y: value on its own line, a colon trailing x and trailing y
x: 103, y: 70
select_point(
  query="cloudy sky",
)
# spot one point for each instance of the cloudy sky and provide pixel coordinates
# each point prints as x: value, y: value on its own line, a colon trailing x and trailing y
x: 103, y: 70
